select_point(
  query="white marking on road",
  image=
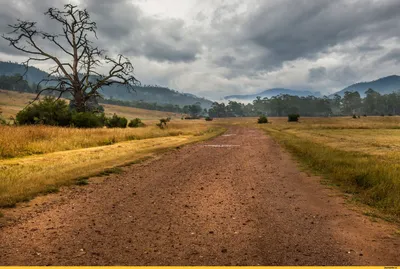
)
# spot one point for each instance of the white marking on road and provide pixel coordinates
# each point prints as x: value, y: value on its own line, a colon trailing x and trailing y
x: 221, y: 146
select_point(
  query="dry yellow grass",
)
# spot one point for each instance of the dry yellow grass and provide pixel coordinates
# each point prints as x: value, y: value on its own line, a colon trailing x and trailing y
x: 61, y: 155
x: 23, y: 178
x: 12, y: 102
x: 359, y: 155
x: 18, y: 141
x: 143, y: 114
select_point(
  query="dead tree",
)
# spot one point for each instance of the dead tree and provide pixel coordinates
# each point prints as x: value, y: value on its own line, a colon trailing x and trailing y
x: 76, y: 72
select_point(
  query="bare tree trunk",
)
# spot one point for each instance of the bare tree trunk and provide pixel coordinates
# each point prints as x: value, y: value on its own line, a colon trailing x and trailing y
x: 79, y: 100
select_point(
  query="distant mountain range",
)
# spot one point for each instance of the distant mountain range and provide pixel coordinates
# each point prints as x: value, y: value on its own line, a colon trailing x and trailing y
x: 164, y: 95
x: 271, y: 92
x: 148, y: 94
x: 383, y: 86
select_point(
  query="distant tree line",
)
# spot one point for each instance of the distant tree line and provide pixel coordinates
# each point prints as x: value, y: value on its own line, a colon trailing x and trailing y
x: 144, y: 105
x: 351, y: 103
x: 17, y: 83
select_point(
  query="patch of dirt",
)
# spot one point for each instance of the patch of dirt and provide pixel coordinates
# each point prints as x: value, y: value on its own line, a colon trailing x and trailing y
x: 199, y: 205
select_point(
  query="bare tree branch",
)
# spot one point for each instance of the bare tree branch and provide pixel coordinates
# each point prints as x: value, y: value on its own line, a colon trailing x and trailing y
x: 78, y: 75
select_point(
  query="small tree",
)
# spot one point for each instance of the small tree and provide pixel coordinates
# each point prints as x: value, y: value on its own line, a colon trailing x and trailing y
x: 116, y: 122
x: 293, y: 117
x: 262, y: 119
x: 47, y: 111
x: 78, y: 74
x: 136, y: 123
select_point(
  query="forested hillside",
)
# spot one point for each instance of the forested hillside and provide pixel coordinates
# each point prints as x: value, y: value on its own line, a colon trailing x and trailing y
x: 384, y: 85
x: 144, y: 93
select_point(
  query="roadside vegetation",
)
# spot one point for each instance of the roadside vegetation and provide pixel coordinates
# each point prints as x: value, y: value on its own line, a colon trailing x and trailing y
x: 24, y: 178
x: 19, y: 141
x: 358, y: 155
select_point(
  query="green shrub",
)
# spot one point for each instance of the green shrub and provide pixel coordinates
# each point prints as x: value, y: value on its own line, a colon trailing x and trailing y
x: 262, y: 119
x: 208, y: 119
x: 116, y: 122
x: 163, y: 123
x: 293, y: 117
x: 135, y: 123
x: 48, y: 111
x: 354, y: 116
x: 87, y: 120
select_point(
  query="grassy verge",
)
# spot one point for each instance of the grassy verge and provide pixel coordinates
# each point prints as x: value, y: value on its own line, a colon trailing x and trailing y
x: 373, y: 179
x: 24, y: 178
x: 19, y: 141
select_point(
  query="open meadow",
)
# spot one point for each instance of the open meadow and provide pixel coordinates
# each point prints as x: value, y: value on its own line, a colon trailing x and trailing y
x: 361, y: 156
x: 12, y: 102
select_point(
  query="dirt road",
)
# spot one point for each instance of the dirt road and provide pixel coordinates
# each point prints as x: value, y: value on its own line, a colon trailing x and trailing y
x: 235, y: 200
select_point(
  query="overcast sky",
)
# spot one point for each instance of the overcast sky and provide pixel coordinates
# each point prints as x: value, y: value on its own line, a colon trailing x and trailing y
x: 215, y: 48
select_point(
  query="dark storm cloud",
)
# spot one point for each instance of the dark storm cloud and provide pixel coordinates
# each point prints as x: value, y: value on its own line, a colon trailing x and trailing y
x: 130, y: 31
x: 12, y: 11
x: 122, y: 28
x: 289, y: 30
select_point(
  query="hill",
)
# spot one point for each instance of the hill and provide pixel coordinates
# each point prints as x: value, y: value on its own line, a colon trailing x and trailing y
x: 12, y: 102
x: 34, y: 75
x: 149, y: 94
x: 383, y: 85
x: 271, y: 92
